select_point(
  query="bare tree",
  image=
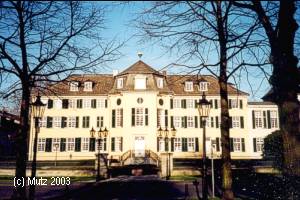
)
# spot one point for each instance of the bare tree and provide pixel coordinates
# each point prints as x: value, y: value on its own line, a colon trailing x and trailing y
x: 196, y: 30
x: 41, y: 42
x: 280, y: 30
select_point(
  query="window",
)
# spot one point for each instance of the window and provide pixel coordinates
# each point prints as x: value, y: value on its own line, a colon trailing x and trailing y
x: 160, y: 82
x: 72, y: 122
x: 191, y: 144
x: 57, y: 122
x: 102, y: 144
x: 85, y: 122
x: 58, y: 104
x: 88, y: 86
x: 188, y: 86
x: 273, y: 118
x: 258, y: 119
x: 119, y: 117
x: 190, y: 122
x: 86, y: 103
x: 74, y: 86
x: 72, y: 103
x: 140, y: 83
x: 100, y: 103
x: 237, y: 144
x: 234, y: 103
x: 177, y: 103
x: 70, y: 144
x: 259, y: 144
x: 177, y: 121
x: 177, y: 144
x: 118, y: 143
x: 85, y: 144
x: 190, y: 103
x: 235, y: 122
x: 161, y: 144
x: 120, y: 83
x: 43, y: 122
x: 56, y: 144
x: 41, y: 144
x: 139, y: 116
x: 203, y: 86
x: 99, y: 121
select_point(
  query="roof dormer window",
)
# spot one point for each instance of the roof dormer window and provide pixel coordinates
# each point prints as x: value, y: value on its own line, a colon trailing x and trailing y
x: 74, y: 86
x: 88, y: 86
x: 140, y: 83
x: 203, y: 86
x: 160, y: 82
x: 120, y: 82
x: 188, y: 86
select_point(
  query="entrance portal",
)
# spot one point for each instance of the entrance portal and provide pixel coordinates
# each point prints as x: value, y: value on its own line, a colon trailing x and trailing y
x: 139, y: 146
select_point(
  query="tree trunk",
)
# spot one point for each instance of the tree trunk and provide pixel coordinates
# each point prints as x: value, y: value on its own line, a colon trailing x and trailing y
x: 21, y: 144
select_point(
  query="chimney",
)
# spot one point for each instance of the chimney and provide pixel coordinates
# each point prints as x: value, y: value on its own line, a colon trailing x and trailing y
x: 164, y: 72
x: 115, y: 72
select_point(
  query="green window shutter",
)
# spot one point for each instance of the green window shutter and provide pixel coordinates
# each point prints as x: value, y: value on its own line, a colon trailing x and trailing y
x: 196, y: 121
x: 112, y: 144
x: 166, y: 118
x: 101, y: 121
x: 172, y: 144
x: 172, y: 121
x: 231, y: 144
x: 146, y: 117
x: 183, y: 103
x: 49, y: 122
x: 50, y: 103
x: 196, y: 144
x: 79, y: 103
x: 94, y: 103
x: 171, y: 103
x: 230, y: 122
x: 48, y: 147
x: 241, y: 104
x: 254, y: 145
x: 216, y: 103
x: 92, y: 144
x: 229, y: 104
x: 62, y: 144
x: 65, y: 103
x: 211, y: 103
x: 77, y: 122
x: 157, y: 144
x: 182, y: 122
x: 217, y: 122
x: 243, y: 145
x: 211, y: 122
x: 77, y: 144
x: 269, y: 118
x: 166, y: 144
x: 253, y: 119
x: 265, y: 119
x: 201, y: 122
x: 185, y: 121
x: 113, y: 120
x: 242, y: 121
x: 196, y: 104
x: 132, y: 117
x: 184, y: 144
x: 121, y: 144
x: 105, y: 103
x: 104, y: 143
x: 217, y: 144
x: 63, y: 122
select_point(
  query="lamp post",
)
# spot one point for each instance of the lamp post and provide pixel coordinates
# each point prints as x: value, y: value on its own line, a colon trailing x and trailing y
x: 213, y: 143
x: 165, y: 134
x: 204, y: 108
x: 101, y: 135
x: 37, y: 111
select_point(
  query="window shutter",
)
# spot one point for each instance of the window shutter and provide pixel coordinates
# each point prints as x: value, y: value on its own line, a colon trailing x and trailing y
x: 196, y: 144
x: 92, y: 144
x: 243, y: 145
x: 121, y: 117
x: 253, y: 119
x: 172, y: 144
x: 79, y: 103
x: 183, y: 103
x: 62, y: 144
x: 211, y: 103
x: 104, y: 143
x: 217, y: 122
x: 242, y: 121
x: 196, y: 103
x: 49, y: 122
x: 146, y: 117
x: 230, y: 122
x: 132, y: 117
x: 184, y: 144
x: 211, y: 122
x: 166, y: 144
x: 182, y: 122
x: 65, y: 103
x: 185, y: 121
x: 265, y: 119
x: 48, y: 144
x: 157, y: 144
x: 218, y: 144
x: 269, y: 118
x: 171, y: 103
x: 113, y: 121
x: 63, y: 122
x: 94, y: 103
x: 241, y: 104
x: 77, y: 144
x: 112, y: 144
x: 166, y: 118
x: 77, y: 122
x: 105, y: 103
x: 87, y: 121
x: 121, y: 145
x: 201, y: 122
x: 102, y: 120
x: 254, y: 145
x: 196, y: 121
x: 216, y: 103
x: 172, y: 121
x: 231, y: 145
x: 230, y: 104
x: 50, y: 103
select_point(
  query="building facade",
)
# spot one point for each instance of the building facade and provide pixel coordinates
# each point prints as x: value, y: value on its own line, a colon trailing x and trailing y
x: 133, y: 104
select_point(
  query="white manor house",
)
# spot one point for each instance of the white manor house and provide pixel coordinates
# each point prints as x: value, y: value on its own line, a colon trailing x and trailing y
x: 133, y: 104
